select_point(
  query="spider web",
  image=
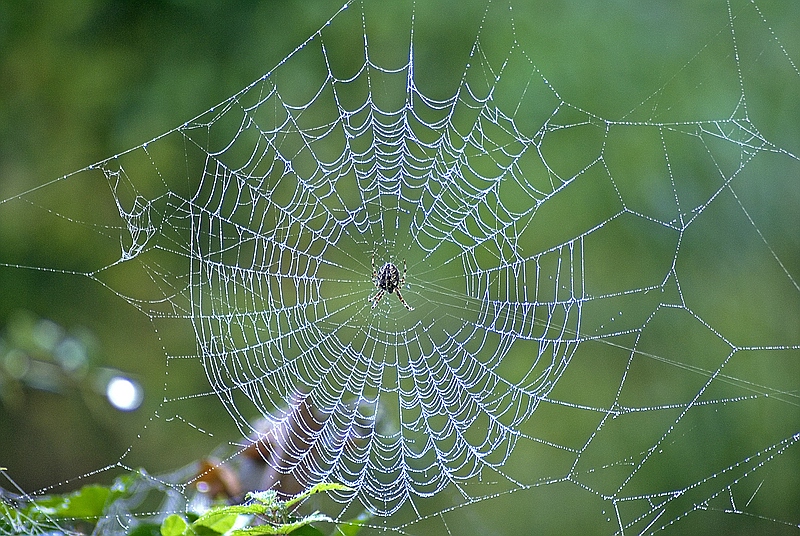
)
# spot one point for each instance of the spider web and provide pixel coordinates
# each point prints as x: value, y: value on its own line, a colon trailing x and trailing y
x: 562, y: 348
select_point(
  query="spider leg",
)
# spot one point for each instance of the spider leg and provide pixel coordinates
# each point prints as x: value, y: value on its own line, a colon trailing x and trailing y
x: 402, y: 280
x: 376, y: 298
x: 374, y: 271
x: 407, y: 306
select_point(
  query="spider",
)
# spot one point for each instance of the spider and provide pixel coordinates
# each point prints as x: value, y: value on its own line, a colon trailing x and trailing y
x: 388, y: 280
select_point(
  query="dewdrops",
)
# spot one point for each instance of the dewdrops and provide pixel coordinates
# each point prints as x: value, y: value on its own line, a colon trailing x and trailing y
x: 124, y: 394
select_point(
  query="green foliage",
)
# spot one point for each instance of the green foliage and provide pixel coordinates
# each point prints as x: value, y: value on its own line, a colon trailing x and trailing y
x: 275, y: 516
x: 87, y: 503
x: 78, y: 512
x: 174, y: 525
x: 62, y: 513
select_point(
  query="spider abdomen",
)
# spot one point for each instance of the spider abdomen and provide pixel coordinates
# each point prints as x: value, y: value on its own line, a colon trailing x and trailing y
x: 388, y: 278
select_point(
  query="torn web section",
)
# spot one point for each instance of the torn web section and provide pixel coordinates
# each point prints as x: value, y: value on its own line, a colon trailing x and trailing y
x: 127, y: 259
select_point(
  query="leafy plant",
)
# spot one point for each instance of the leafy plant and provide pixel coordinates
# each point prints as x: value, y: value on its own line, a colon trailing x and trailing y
x: 79, y: 512
x: 61, y: 513
x: 275, y: 516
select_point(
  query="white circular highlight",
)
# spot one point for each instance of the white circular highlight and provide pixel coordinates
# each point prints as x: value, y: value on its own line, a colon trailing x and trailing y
x: 124, y: 394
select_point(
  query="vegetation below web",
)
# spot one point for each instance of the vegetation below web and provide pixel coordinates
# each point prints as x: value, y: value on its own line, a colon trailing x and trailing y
x: 36, y: 347
x: 83, y: 511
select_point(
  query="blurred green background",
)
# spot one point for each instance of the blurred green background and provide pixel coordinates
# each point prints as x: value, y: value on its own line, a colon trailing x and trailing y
x: 82, y: 81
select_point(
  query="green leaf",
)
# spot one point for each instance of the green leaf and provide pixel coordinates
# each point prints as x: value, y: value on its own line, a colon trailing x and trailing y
x: 319, y: 488
x: 260, y: 530
x: 268, y: 497
x: 307, y: 530
x: 285, y: 528
x: 86, y: 503
x: 245, y: 509
x: 218, y: 520
x: 174, y: 525
x: 273, y: 510
x: 146, y: 529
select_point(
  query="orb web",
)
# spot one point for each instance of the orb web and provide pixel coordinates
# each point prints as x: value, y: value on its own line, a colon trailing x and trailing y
x: 535, y: 247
